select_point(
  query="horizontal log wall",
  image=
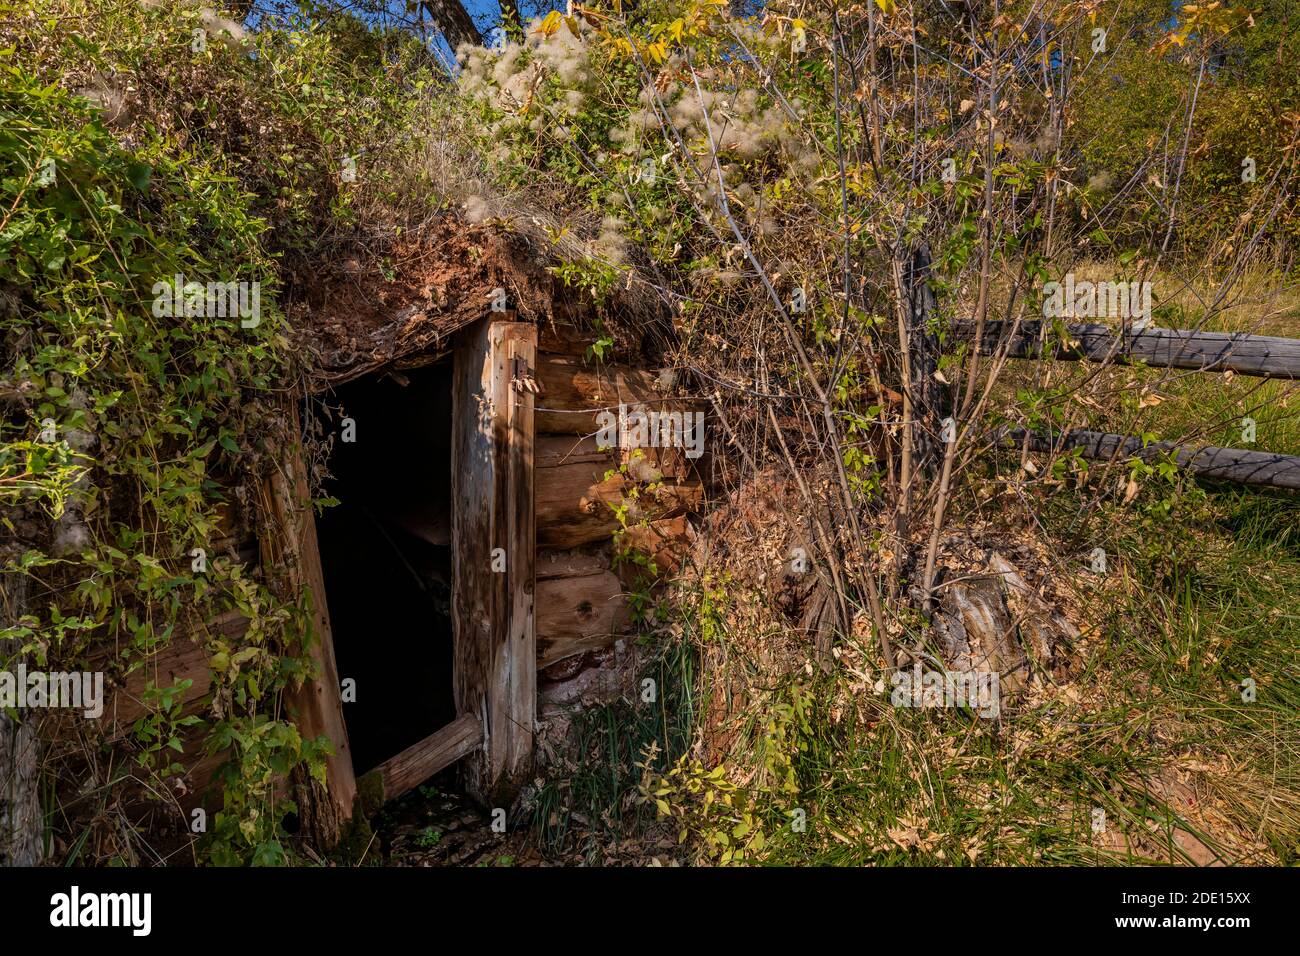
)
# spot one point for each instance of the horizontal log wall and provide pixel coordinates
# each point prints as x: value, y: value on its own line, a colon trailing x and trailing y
x: 582, y: 596
x: 574, y: 393
x: 183, y: 658
x: 579, y: 492
x: 581, y: 604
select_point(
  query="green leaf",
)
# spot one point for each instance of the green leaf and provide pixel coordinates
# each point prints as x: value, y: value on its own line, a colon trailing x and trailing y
x: 139, y: 174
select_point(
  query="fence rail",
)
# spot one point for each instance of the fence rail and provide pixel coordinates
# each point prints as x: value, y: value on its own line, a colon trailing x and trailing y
x: 1263, y: 356
x: 1260, y: 468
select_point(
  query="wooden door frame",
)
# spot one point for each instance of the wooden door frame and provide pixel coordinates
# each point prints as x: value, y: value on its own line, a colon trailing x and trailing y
x: 316, y: 708
x: 493, y: 537
x: 494, y: 636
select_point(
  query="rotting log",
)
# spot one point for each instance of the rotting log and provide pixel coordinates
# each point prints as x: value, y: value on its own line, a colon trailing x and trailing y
x: 290, y: 545
x: 996, y: 622
x: 1261, y: 356
x: 581, y: 605
x: 665, y: 541
x: 976, y: 632
x: 493, y: 552
x: 1261, y: 468
x: 419, y: 762
x: 1046, y: 633
x: 576, y: 502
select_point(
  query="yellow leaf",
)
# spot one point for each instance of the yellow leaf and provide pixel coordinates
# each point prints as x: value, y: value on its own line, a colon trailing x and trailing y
x: 550, y: 23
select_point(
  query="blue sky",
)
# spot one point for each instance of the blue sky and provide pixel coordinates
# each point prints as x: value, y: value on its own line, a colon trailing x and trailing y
x: 486, y: 13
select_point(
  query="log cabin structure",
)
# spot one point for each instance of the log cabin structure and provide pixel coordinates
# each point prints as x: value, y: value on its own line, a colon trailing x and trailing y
x: 469, y: 552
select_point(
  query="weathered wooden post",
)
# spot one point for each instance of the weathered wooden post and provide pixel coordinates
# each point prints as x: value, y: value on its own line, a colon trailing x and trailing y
x: 493, y: 556
x: 930, y: 399
x: 20, y: 806
x: 290, y: 545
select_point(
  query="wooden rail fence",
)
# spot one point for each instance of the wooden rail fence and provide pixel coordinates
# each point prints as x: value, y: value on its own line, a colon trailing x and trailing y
x: 1261, y: 356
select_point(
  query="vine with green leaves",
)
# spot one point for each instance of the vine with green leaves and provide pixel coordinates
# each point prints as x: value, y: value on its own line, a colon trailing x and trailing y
x: 128, y: 431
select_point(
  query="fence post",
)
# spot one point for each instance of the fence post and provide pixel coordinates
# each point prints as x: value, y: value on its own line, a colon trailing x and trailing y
x: 931, y: 401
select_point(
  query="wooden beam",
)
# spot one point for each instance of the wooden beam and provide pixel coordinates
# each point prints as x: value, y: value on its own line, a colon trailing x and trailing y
x: 519, y: 342
x: 493, y: 553
x: 439, y: 750
x: 289, y: 544
x: 576, y: 502
x: 554, y: 451
x: 573, y: 391
x: 581, y: 605
x: 646, y: 464
x: 1206, y: 461
x: 1262, y: 356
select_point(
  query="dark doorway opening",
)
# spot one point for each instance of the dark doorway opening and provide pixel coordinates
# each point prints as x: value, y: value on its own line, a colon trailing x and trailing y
x: 386, y: 554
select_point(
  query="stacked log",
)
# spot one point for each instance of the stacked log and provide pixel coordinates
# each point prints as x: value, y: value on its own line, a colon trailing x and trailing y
x: 589, y: 495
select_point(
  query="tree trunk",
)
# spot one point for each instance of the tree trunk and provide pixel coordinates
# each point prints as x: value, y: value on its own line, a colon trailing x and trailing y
x: 20, y: 805
x: 454, y: 22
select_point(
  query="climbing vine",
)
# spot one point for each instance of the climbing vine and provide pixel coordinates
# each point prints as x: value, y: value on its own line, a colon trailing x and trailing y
x: 140, y: 412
